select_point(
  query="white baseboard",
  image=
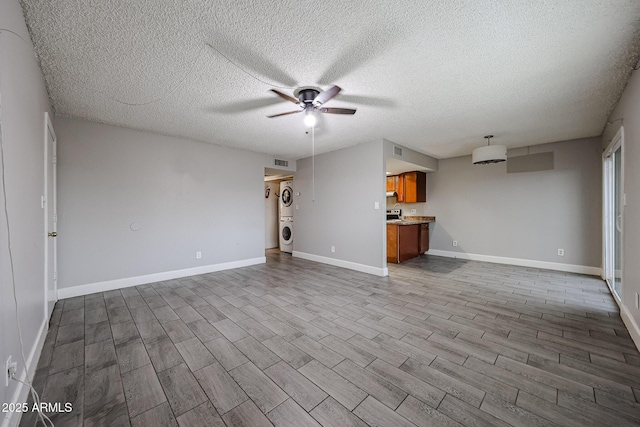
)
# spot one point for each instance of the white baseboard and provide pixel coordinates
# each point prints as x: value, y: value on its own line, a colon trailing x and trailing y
x: 630, y: 323
x: 20, y: 394
x: 110, y: 285
x: 570, y: 268
x: 344, y: 264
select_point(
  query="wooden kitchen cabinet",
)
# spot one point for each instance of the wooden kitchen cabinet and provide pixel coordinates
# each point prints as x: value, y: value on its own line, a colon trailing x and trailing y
x: 424, y: 238
x: 415, y: 187
x: 391, y: 183
x: 411, y: 187
x: 400, y: 187
x: 392, y: 243
x: 402, y: 242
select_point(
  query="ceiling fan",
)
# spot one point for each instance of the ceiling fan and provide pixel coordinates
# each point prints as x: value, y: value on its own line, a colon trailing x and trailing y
x: 311, y: 100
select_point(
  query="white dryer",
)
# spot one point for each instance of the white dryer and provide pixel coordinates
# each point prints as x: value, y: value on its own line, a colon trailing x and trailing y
x: 286, y: 234
x: 286, y: 198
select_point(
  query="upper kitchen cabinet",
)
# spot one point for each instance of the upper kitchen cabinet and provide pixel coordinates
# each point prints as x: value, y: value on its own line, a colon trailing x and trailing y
x: 400, y: 187
x: 391, y: 183
x: 410, y: 187
x: 415, y: 187
x: 395, y: 184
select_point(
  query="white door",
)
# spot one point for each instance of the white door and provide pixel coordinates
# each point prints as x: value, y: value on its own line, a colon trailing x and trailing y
x: 50, y: 217
x: 613, y: 210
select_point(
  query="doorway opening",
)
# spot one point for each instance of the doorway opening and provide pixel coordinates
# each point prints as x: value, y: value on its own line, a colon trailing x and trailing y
x: 49, y: 204
x: 613, y: 213
x: 277, y: 233
x: 407, y: 226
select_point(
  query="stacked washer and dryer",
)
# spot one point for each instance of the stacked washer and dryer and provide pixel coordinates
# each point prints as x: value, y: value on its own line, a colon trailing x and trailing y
x: 286, y: 216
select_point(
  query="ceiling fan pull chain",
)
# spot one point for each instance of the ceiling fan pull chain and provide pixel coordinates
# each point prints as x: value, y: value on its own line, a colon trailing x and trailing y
x: 313, y: 164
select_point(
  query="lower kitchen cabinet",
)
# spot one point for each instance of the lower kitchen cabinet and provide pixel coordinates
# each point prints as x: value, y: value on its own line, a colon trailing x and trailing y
x: 424, y: 238
x: 402, y: 242
x: 406, y: 241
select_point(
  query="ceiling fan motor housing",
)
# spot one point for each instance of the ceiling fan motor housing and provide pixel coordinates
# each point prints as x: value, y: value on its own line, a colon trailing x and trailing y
x: 307, y: 96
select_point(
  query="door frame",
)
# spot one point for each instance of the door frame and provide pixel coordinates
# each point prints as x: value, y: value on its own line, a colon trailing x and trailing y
x: 608, y: 228
x: 50, y: 173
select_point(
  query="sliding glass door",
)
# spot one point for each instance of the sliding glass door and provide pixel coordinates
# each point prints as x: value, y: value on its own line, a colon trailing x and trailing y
x: 613, y: 205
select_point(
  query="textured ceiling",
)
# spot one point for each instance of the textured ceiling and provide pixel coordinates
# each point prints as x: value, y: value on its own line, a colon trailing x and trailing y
x: 435, y: 76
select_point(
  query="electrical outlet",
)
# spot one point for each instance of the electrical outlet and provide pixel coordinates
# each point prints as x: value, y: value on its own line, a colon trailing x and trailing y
x: 413, y: 211
x: 198, y: 255
x: 455, y: 243
x: 560, y: 252
x: 333, y: 248
x: 376, y: 205
x: 10, y: 369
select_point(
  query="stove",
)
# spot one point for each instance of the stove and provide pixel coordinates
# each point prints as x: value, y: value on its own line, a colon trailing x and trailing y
x: 393, y: 214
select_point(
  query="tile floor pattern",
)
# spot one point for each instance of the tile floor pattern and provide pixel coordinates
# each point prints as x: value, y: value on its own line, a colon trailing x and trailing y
x: 440, y: 342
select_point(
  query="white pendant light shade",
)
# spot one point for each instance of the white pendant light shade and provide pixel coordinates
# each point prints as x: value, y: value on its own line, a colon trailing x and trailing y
x: 489, y: 153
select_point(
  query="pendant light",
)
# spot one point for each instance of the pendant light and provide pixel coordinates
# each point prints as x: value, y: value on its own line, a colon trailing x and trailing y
x: 489, y: 153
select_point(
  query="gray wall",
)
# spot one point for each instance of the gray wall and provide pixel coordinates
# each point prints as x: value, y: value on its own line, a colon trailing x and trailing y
x: 628, y: 109
x: 347, y: 183
x: 410, y: 156
x: 110, y: 178
x: 522, y: 215
x: 23, y: 103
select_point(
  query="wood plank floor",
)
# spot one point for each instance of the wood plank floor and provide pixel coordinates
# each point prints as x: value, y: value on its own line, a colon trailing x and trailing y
x: 440, y: 342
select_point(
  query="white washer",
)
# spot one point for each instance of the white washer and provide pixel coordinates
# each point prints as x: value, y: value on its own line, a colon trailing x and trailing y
x: 286, y: 234
x: 286, y: 198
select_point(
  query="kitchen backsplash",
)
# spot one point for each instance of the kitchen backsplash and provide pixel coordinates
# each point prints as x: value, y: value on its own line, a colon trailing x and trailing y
x: 421, y: 208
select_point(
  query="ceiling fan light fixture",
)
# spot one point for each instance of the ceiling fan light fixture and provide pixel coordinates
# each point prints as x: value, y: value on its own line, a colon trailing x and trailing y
x: 489, y: 154
x: 309, y: 119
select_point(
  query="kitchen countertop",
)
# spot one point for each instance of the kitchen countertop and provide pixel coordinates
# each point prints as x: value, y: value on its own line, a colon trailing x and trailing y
x: 412, y: 220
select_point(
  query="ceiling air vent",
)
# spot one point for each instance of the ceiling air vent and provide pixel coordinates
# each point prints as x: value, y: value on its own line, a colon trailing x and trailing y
x: 397, y: 151
x: 284, y: 163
